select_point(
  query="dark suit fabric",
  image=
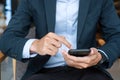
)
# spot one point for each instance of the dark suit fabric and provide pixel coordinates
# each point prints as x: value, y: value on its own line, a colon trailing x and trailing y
x: 42, y: 14
x: 69, y: 73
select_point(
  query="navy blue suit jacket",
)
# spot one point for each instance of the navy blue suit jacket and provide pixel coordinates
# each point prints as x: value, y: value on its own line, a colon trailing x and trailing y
x: 42, y: 14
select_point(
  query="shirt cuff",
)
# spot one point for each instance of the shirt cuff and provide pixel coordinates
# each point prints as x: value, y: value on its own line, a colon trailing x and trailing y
x: 26, y: 49
x: 104, y: 56
x: 103, y: 53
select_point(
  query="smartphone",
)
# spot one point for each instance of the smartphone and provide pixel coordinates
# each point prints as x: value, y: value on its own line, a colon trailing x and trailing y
x: 79, y: 52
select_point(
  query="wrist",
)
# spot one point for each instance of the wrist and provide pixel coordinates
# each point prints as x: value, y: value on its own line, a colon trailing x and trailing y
x: 104, y: 58
x: 33, y: 48
x: 26, y: 49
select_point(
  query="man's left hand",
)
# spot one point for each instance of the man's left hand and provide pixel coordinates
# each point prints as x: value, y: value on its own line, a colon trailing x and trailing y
x: 83, y: 62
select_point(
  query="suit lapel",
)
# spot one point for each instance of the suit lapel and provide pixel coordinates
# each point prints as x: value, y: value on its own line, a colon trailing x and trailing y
x: 83, y: 10
x: 50, y: 8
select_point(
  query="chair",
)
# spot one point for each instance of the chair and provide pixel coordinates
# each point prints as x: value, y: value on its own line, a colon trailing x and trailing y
x: 117, y: 6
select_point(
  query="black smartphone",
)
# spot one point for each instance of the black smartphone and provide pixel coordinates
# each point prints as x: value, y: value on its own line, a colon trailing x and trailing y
x: 79, y: 52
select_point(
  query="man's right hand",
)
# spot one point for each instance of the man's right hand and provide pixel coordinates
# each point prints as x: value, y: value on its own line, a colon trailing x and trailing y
x: 49, y: 44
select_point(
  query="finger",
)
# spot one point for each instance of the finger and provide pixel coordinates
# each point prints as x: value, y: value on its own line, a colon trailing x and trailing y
x: 80, y: 62
x: 83, y: 65
x: 65, y: 42
x: 59, y: 38
x: 73, y: 63
x: 68, y: 61
x: 50, y: 52
x: 86, y: 59
x: 73, y: 59
x: 53, y: 49
x: 93, y: 51
x: 66, y: 55
x: 55, y: 43
x: 46, y: 50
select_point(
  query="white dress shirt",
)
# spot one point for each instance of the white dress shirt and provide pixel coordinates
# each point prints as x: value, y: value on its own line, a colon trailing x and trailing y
x: 66, y: 25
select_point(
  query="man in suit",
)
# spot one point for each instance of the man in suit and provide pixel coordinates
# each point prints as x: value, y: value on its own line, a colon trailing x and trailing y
x: 62, y: 25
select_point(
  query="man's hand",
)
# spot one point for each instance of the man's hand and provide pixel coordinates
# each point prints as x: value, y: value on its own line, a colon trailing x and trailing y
x: 49, y: 44
x: 83, y: 62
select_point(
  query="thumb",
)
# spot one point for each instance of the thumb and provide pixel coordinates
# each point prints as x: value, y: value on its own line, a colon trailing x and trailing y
x: 64, y: 53
x: 91, y: 51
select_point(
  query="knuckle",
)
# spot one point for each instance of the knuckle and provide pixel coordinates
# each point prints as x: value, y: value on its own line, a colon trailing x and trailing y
x: 85, y: 66
x: 88, y: 61
x: 59, y: 44
x: 75, y: 60
x: 47, y: 39
x: 50, y: 33
x: 44, y: 50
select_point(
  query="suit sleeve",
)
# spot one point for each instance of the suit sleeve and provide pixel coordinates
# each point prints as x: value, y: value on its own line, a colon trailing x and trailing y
x: 13, y: 39
x: 111, y: 31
